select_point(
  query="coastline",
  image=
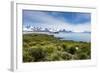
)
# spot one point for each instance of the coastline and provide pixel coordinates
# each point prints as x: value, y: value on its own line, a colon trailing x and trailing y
x: 67, y: 37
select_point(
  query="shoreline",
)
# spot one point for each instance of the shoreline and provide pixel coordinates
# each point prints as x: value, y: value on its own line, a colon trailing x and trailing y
x: 30, y: 32
x: 52, y: 34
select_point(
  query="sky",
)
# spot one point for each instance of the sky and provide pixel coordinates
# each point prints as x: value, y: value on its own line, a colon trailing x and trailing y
x: 70, y: 21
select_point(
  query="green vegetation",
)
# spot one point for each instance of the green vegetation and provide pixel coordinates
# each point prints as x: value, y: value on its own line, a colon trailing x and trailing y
x: 42, y: 47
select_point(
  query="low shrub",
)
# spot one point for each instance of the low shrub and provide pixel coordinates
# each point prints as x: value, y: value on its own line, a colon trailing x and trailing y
x: 38, y: 54
x: 72, y: 50
x: 82, y: 56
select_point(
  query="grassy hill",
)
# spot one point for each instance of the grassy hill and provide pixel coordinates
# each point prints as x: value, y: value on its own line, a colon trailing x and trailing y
x: 42, y: 47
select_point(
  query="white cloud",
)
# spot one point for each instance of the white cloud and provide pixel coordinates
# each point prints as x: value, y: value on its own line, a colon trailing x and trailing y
x: 45, y: 20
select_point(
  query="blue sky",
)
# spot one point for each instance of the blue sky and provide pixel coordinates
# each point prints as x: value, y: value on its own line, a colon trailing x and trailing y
x: 74, y: 21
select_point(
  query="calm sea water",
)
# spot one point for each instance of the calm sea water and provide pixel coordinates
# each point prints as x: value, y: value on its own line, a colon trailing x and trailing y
x: 85, y: 37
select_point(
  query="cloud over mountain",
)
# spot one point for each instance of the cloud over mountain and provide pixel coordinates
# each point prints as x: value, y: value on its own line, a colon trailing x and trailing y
x: 74, y: 21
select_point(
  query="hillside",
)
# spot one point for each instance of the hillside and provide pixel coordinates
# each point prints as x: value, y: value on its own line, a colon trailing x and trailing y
x: 43, y: 47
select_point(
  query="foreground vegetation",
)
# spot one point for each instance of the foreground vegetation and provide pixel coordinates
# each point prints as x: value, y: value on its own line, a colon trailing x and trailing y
x: 42, y: 47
